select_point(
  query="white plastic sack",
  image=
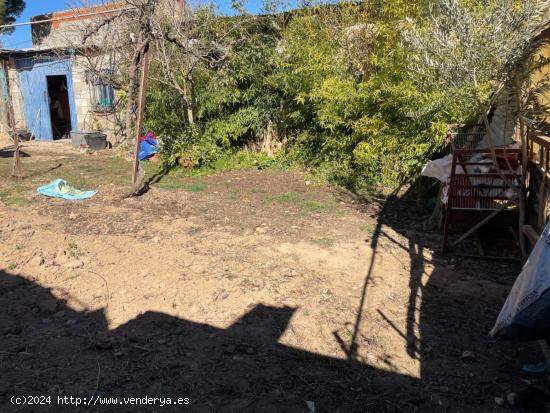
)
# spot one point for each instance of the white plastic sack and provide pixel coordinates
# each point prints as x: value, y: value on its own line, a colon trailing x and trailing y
x: 525, y: 315
x: 439, y: 168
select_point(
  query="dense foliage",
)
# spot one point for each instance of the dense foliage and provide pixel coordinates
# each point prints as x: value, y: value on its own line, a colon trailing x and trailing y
x: 9, y: 11
x: 332, y: 84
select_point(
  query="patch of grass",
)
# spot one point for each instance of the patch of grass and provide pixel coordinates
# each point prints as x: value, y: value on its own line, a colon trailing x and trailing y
x: 8, y: 197
x: 368, y: 227
x: 12, y: 267
x: 287, y: 197
x: 176, y: 180
x: 19, y: 188
x: 324, y: 242
x: 15, y: 200
x: 298, y: 200
x: 316, y: 206
x: 195, y: 186
x: 256, y: 190
x: 339, y: 213
x: 317, y: 177
x: 170, y: 184
x: 243, y: 160
x: 82, y: 171
x: 347, y: 334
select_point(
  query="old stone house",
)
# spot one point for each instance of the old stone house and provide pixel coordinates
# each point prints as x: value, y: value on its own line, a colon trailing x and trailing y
x: 51, y: 87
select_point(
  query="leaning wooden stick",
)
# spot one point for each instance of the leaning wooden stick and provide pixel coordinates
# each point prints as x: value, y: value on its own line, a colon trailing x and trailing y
x: 141, y: 108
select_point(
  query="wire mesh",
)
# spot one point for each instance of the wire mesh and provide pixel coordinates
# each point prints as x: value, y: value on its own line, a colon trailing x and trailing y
x: 487, y: 192
x: 465, y: 140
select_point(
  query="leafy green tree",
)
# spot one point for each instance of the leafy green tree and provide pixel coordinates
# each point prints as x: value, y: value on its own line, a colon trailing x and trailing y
x: 350, y: 103
x: 333, y: 82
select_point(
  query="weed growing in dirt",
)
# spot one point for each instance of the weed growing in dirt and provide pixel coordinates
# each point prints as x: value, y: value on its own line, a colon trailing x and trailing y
x: 12, y: 267
x: 7, y: 197
x: 256, y: 190
x: 195, y: 186
x: 15, y: 200
x: 324, y: 242
x: 171, y: 184
x: 73, y: 251
x: 233, y: 193
x: 370, y: 228
x: 316, y: 206
x: 287, y: 197
x: 230, y: 276
x: 298, y: 199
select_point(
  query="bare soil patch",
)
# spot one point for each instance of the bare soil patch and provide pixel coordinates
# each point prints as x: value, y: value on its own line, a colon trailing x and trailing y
x: 244, y: 291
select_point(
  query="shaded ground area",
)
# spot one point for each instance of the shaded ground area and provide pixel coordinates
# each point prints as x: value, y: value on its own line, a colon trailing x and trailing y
x: 244, y: 291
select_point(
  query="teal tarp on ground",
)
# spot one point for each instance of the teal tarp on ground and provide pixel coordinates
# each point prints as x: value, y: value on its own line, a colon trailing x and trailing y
x: 61, y: 189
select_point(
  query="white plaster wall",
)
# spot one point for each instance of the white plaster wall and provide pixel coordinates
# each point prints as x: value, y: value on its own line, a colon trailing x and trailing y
x: 86, y: 117
x: 17, y: 99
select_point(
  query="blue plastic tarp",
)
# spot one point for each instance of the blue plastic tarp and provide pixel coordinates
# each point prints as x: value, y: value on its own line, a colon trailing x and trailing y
x: 61, y: 189
x: 148, y: 146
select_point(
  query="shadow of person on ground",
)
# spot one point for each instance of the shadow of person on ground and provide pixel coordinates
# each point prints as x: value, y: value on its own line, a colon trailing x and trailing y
x: 48, y: 348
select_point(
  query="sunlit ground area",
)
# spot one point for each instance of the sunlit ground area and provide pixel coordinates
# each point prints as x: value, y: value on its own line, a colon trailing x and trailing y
x: 247, y: 290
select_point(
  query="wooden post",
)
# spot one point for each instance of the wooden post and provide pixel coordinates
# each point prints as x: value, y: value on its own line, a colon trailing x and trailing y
x: 524, y: 161
x: 449, y: 208
x: 140, y: 108
x: 16, y: 169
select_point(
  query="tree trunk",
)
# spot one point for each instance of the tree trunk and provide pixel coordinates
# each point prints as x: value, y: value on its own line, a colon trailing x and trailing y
x: 132, y: 85
x: 188, y: 98
x: 132, y: 73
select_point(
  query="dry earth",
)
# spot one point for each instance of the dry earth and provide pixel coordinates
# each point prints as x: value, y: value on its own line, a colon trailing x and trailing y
x: 247, y: 291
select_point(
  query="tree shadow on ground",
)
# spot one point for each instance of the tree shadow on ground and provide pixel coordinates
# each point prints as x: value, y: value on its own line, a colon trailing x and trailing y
x: 9, y: 151
x: 452, y: 305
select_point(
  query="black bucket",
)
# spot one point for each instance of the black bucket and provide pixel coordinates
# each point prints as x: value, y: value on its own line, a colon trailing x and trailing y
x: 96, y: 141
x: 90, y: 139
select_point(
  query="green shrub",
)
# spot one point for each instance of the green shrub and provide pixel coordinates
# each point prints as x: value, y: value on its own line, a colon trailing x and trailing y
x: 334, y: 83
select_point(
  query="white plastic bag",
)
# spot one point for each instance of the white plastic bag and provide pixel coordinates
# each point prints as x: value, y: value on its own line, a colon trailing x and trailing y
x: 525, y: 315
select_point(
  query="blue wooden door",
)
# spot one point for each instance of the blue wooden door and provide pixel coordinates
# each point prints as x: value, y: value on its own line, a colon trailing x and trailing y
x: 34, y: 88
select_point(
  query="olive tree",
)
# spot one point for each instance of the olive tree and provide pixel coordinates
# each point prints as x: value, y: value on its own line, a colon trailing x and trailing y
x: 478, y: 50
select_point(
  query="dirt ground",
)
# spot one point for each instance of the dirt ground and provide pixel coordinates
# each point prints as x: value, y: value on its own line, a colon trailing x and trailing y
x: 251, y: 290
